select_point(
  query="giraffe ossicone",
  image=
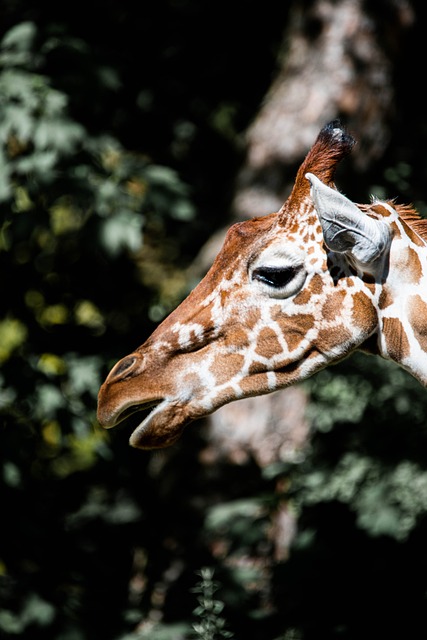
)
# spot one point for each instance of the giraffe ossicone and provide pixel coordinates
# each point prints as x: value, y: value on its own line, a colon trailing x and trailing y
x: 289, y: 294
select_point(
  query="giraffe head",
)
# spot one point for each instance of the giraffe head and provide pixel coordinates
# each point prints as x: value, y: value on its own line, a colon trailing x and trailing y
x: 288, y: 294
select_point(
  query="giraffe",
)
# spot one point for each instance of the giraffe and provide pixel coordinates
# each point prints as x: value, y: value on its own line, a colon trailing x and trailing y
x: 288, y: 294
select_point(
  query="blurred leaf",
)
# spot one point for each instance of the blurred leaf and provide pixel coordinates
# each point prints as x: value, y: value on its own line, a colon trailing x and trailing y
x: 7, y: 394
x: 337, y: 398
x: 168, y: 193
x: 123, y: 231
x: 82, y: 452
x: 11, y: 623
x: 225, y: 514
x: 99, y: 504
x: 88, y: 314
x: 386, y: 501
x: 20, y: 36
x: 51, y: 432
x: 13, y: 334
x: 35, y: 611
x: 84, y: 374
x: 11, y: 474
x: 49, y: 400
x: 160, y: 631
x: 54, y: 314
x: 51, y: 364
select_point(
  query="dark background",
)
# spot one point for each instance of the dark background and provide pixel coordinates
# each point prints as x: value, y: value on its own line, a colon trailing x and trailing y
x: 122, y: 132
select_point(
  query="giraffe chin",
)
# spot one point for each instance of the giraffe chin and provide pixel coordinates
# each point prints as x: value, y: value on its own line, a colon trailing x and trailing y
x: 162, y: 427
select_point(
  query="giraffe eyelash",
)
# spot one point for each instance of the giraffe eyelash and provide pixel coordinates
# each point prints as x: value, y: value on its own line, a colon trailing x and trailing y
x: 276, y: 277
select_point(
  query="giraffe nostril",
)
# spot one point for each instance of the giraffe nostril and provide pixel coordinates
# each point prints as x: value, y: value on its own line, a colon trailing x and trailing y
x: 123, y: 368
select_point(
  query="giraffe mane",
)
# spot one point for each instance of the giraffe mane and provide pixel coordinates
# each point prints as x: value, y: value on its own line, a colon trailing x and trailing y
x: 411, y: 216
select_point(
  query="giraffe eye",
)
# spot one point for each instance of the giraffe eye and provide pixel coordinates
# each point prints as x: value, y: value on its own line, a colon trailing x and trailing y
x: 276, y: 277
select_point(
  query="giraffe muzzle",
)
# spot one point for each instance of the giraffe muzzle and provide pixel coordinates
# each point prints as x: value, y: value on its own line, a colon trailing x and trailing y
x: 159, y: 421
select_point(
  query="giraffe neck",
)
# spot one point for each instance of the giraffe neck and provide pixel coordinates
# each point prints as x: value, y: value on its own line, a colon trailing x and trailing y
x: 402, y: 303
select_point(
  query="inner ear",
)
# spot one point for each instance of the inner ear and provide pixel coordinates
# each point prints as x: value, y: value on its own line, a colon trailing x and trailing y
x: 346, y: 229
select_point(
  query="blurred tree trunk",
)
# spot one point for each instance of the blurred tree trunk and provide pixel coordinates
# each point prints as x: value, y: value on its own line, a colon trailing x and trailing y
x: 337, y: 61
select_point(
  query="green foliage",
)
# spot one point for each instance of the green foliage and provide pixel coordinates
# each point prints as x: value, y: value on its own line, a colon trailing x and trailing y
x: 178, y: 631
x: 338, y: 398
x: 386, y: 501
x: 12, y: 335
x: 377, y: 471
x: 236, y: 517
x: 211, y: 624
x: 101, y: 131
x: 35, y: 612
x: 34, y: 127
x: 73, y: 205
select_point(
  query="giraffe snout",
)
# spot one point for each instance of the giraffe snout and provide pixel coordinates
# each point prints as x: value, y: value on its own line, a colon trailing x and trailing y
x: 113, y: 393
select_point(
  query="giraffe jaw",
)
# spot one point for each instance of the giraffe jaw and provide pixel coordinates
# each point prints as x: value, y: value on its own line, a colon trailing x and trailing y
x: 160, y: 427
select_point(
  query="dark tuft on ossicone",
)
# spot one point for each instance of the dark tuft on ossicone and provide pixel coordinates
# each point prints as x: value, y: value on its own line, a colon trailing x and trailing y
x: 332, y: 145
x: 335, y: 135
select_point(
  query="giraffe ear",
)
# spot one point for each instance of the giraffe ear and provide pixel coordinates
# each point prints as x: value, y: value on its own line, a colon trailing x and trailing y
x: 346, y: 229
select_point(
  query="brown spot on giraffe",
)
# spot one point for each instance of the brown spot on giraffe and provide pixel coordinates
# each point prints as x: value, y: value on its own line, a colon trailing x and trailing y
x: 332, y: 307
x: 226, y: 366
x: 314, y: 288
x: 252, y: 317
x: 305, y: 296
x: 268, y: 344
x: 297, y: 329
x: 413, y: 268
x: 329, y: 338
x: 237, y: 338
x: 257, y: 367
x: 252, y: 384
x: 396, y: 340
x: 385, y: 299
x: 226, y: 395
x: 417, y: 314
x: 395, y: 228
x: 363, y: 312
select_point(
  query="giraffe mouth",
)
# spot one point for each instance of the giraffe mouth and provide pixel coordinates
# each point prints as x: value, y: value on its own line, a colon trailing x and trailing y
x: 141, y: 411
x: 156, y: 424
x: 162, y: 424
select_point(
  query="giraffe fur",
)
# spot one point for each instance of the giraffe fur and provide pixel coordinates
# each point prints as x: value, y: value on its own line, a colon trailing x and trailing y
x: 288, y: 294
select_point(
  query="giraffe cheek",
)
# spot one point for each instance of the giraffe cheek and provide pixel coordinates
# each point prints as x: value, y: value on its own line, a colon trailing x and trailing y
x: 297, y: 329
x: 226, y: 366
x: 268, y: 344
x: 255, y: 385
x: 335, y: 341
